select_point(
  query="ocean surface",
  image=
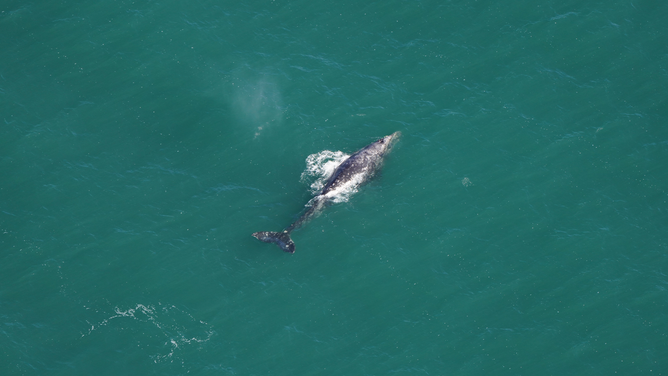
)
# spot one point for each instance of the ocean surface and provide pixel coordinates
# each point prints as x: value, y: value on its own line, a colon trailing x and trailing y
x: 519, y: 227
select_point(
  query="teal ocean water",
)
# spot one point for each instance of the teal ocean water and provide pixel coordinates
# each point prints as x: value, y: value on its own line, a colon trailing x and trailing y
x: 519, y: 227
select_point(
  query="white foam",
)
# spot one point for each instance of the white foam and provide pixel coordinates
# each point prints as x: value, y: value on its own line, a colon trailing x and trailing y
x: 343, y: 192
x: 320, y: 166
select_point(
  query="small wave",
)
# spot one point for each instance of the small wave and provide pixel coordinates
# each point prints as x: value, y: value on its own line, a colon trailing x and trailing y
x: 320, y: 166
x: 173, y: 328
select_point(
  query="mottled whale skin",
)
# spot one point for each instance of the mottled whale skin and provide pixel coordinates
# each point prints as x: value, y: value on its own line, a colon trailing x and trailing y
x: 354, y: 171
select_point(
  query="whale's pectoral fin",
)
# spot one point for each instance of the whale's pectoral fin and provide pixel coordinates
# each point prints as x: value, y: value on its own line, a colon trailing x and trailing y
x: 281, y: 239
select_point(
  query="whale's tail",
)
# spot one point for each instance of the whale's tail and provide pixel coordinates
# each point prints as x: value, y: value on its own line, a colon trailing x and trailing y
x: 281, y: 239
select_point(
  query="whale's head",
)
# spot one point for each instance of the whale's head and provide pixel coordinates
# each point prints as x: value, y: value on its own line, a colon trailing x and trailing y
x: 385, y: 144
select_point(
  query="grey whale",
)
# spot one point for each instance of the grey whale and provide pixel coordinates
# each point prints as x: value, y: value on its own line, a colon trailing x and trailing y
x: 354, y: 171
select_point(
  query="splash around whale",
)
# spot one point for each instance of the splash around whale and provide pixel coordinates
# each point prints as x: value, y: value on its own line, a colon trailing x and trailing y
x: 346, y: 178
